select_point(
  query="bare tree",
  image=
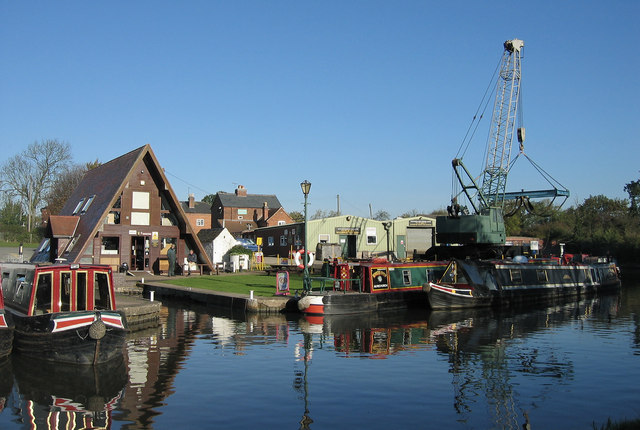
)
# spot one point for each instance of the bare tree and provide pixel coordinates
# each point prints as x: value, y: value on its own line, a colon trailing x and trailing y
x: 64, y: 185
x: 30, y: 174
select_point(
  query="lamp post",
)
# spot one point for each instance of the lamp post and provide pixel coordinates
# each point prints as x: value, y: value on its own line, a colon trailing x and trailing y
x: 306, y: 187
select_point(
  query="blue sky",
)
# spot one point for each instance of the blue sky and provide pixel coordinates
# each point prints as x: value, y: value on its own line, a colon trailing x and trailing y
x: 368, y: 100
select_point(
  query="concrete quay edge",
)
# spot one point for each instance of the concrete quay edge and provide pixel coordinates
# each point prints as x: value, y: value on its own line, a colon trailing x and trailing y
x: 278, y: 304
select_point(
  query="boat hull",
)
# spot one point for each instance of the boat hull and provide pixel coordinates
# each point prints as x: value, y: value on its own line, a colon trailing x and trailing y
x: 74, y: 337
x: 500, y: 284
x: 345, y: 303
x: 6, y: 334
x: 442, y: 297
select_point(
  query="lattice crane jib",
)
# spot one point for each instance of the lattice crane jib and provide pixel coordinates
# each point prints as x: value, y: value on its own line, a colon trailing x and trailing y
x: 503, y: 125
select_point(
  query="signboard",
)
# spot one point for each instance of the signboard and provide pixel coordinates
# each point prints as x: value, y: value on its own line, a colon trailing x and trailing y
x: 534, y: 245
x: 347, y: 230
x: 380, y: 279
x: 420, y: 223
x: 282, y: 283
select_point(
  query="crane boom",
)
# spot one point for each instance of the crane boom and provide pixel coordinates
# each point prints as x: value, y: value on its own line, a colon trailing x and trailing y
x: 505, y: 110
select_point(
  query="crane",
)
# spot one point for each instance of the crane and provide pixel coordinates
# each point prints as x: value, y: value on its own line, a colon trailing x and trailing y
x: 485, y: 226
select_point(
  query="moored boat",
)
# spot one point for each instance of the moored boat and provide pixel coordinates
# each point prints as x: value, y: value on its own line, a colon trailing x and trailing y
x: 64, y: 313
x: 6, y: 330
x: 366, y: 286
x: 476, y: 283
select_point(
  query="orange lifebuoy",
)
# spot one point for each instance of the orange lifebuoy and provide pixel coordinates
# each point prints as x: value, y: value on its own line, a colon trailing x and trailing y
x: 296, y: 258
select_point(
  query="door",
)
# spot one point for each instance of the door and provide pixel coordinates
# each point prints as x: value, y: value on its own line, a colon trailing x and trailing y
x: 401, y: 247
x: 137, y: 253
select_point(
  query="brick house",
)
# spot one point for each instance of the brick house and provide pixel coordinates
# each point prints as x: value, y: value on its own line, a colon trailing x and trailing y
x: 240, y: 211
x: 198, y: 213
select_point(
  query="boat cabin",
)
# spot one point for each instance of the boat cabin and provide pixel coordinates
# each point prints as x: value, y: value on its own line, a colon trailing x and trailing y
x: 35, y: 290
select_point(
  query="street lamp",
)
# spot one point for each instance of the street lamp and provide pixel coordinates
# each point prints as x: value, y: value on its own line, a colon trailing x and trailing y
x: 306, y: 187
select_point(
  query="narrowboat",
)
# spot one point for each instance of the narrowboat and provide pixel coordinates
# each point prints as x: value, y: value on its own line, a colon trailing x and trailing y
x: 6, y: 330
x: 373, y: 285
x: 64, y: 312
x: 476, y: 283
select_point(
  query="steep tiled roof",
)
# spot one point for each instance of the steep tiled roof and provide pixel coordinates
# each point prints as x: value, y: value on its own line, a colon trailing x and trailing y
x: 200, y: 208
x: 248, y: 201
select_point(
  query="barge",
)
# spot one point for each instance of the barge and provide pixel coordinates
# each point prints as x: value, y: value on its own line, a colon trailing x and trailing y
x: 373, y: 285
x: 479, y: 283
x: 64, y: 312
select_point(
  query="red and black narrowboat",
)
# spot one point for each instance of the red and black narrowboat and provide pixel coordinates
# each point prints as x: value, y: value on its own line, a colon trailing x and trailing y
x: 64, y: 312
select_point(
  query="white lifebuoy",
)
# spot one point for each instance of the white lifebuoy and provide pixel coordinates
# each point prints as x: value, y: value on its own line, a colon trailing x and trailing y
x: 296, y: 258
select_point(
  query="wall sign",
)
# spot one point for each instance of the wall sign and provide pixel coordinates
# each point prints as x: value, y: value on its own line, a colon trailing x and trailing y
x: 347, y: 230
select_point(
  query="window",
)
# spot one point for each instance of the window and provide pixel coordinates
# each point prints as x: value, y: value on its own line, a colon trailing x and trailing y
x: 140, y: 218
x: 65, y: 292
x: 283, y: 240
x: 101, y: 291
x: 542, y: 275
x: 242, y: 212
x: 88, y: 203
x: 281, y: 222
x: 81, y: 291
x: 372, y: 238
x: 113, y: 217
x: 139, y: 200
x: 78, y: 206
x: 324, y: 238
x: 516, y: 276
x: 42, y: 303
x: 270, y: 241
x: 406, y: 277
x: 110, y: 245
x: 200, y: 222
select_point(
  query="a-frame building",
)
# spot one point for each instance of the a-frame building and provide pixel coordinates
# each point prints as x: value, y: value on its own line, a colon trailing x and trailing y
x: 122, y: 212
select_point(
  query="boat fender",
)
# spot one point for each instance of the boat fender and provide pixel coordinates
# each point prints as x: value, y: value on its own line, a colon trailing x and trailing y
x: 97, y: 330
x: 426, y: 287
x: 296, y: 258
x: 304, y: 303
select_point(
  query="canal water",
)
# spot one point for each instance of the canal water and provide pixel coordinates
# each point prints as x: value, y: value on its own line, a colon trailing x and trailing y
x: 564, y: 366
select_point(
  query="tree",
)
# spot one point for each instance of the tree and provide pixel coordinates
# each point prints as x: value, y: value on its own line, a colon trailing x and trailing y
x: 381, y: 215
x: 412, y: 213
x: 30, y: 175
x: 297, y: 216
x: 633, y: 189
x: 65, y: 184
x: 320, y: 214
x: 209, y: 198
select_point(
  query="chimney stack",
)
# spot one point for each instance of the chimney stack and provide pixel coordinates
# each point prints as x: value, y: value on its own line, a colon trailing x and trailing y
x: 265, y: 211
x: 241, y: 191
x: 192, y: 201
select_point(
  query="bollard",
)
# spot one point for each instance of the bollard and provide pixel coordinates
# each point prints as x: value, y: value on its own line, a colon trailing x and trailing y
x: 251, y: 294
x: 151, y: 294
x: 142, y: 280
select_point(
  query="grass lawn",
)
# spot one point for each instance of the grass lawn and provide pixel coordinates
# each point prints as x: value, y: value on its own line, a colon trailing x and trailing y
x: 240, y: 283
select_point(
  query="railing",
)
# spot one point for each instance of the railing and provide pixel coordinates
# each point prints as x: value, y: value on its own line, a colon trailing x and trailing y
x: 335, y: 284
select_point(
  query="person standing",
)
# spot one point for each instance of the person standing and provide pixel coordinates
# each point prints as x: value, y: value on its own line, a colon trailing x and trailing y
x: 171, y: 255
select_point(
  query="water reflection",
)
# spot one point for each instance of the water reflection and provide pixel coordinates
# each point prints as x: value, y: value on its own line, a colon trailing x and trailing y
x: 64, y: 396
x: 489, y: 359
